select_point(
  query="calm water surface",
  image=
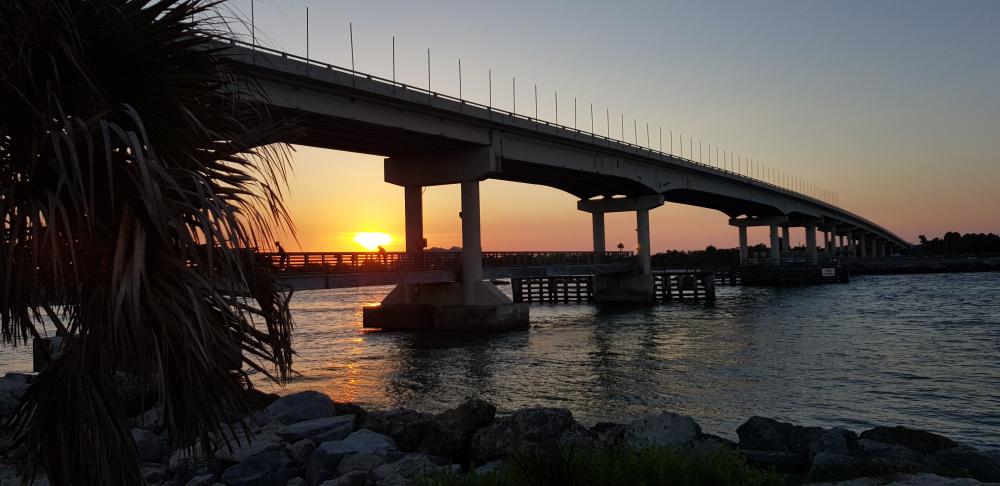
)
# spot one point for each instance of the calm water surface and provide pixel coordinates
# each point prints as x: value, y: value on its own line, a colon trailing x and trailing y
x: 921, y: 351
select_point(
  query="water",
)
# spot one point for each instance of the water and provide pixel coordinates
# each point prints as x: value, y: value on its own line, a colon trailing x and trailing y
x: 921, y: 351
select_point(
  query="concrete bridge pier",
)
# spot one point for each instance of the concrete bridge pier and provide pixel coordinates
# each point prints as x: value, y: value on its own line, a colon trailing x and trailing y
x: 413, y: 200
x: 811, y: 250
x: 775, y: 243
x: 624, y: 287
x: 786, y: 243
x: 744, y: 248
x: 598, y: 221
x: 469, y: 304
x: 863, y: 244
x: 850, y: 245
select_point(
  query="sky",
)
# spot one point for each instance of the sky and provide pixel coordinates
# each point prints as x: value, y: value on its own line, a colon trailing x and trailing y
x: 893, y: 105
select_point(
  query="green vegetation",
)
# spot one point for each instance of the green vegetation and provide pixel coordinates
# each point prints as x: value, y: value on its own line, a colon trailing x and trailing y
x: 134, y: 177
x: 709, y: 257
x: 616, y: 466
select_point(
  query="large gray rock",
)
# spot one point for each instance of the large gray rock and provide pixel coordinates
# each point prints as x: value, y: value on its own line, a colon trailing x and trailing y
x: 153, y: 473
x: 982, y: 466
x: 245, y: 447
x: 356, y: 478
x: 190, y: 462
x: 524, y: 429
x: 852, y: 482
x: 258, y: 469
x: 405, y: 426
x: 831, y: 464
x: 836, y: 441
x: 926, y: 479
x: 661, y: 430
x: 764, y: 434
x: 148, y: 445
x: 892, y: 454
x: 324, y: 460
x: 713, y: 442
x: 26, y: 378
x: 608, y: 433
x: 403, y: 471
x: 151, y: 420
x: 301, y: 450
x: 297, y: 407
x: 918, y: 440
x: 319, y: 430
x: 11, y: 391
x: 203, y: 480
x: 359, y: 462
x: 448, y: 433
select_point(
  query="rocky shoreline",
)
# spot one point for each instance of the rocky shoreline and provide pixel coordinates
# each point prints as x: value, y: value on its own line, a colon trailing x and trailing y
x: 306, y: 438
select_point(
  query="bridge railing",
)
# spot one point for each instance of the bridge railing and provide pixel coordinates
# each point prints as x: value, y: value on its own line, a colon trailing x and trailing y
x: 350, y: 262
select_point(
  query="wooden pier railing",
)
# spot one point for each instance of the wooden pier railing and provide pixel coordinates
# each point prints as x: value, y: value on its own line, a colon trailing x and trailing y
x: 348, y: 262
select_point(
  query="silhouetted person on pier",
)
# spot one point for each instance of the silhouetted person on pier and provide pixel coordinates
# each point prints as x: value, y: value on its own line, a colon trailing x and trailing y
x: 381, y: 255
x: 282, y: 256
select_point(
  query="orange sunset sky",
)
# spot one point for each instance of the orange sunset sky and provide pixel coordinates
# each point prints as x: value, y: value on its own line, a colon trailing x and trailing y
x: 893, y: 105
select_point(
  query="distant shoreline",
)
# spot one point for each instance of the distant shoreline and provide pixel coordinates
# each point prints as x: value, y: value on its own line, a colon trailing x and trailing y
x: 927, y: 265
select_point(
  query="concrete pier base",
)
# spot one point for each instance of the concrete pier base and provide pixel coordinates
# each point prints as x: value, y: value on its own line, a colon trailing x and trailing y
x: 624, y: 288
x: 442, y: 306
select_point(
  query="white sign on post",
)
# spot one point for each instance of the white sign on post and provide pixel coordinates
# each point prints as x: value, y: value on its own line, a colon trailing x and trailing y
x: 829, y: 272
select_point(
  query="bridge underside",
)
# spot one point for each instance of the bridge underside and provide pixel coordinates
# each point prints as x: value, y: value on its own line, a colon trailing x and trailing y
x: 349, y: 135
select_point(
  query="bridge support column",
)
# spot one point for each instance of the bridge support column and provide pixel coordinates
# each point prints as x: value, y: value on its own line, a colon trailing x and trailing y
x: 744, y: 248
x: 786, y: 244
x: 642, y: 228
x: 775, y: 243
x: 811, y: 250
x: 863, y: 243
x: 472, y: 250
x: 413, y: 201
x: 598, y: 220
x: 850, y: 244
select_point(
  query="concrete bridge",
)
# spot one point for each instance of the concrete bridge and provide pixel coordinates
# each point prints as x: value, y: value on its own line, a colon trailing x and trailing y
x: 429, y: 139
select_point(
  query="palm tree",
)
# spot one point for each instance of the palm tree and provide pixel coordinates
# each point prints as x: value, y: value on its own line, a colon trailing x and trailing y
x: 133, y: 180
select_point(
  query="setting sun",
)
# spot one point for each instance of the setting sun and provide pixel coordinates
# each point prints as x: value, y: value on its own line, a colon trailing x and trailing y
x: 371, y: 241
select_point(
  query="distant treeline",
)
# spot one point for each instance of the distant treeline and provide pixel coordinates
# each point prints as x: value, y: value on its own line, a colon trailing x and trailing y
x: 709, y: 257
x: 954, y: 243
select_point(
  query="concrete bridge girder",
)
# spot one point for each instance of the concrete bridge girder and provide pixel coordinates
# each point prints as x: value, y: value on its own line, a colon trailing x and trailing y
x: 653, y: 177
x: 443, y: 167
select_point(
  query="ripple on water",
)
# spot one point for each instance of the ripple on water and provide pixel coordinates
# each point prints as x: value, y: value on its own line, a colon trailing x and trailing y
x: 920, y: 351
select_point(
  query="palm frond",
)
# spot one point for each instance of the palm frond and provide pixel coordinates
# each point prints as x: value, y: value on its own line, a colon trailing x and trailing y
x: 135, y: 177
